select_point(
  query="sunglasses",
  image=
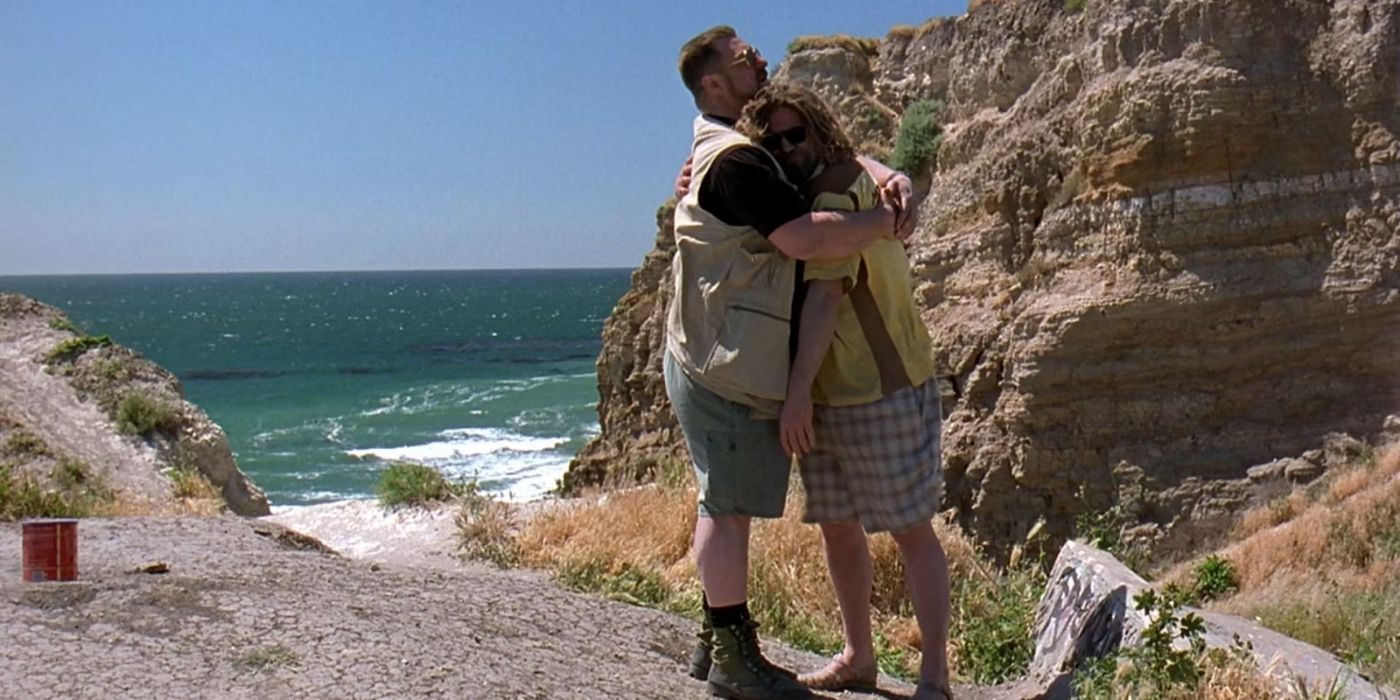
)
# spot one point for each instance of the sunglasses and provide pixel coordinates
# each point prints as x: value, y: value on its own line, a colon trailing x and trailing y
x: 794, y: 137
x: 748, y: 56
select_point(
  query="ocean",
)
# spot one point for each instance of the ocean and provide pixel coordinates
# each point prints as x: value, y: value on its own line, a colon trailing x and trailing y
x: 321, y: 379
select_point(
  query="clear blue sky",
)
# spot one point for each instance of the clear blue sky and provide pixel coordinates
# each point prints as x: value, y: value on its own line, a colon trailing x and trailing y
x: 249, y: 135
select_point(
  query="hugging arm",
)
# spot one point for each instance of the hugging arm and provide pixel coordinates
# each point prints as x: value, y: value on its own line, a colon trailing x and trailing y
x: 817, y: 329
x: 897, y: 188
x: 829, y: 235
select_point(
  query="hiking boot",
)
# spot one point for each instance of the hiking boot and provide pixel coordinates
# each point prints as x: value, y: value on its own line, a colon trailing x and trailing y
x: 700, y: 655
x: 738, y: 670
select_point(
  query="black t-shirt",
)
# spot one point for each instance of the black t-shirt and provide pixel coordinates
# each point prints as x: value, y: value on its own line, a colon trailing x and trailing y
x: 745, y: 188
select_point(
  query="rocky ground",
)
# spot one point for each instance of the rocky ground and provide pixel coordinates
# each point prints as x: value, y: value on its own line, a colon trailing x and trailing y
x: 250, y: 609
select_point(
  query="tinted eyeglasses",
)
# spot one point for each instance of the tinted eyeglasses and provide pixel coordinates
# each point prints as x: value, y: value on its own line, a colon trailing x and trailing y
x: 794, y: 137
x: 748, y: 56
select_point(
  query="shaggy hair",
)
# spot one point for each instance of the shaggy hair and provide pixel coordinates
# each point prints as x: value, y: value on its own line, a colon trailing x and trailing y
x: 832, y: 144
x: 699, y: 56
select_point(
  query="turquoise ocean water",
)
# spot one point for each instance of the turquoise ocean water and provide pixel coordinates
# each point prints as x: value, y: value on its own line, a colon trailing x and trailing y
x: 319, y: 378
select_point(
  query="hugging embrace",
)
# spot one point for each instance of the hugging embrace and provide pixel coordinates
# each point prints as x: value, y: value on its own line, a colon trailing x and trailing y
x: 793, y: 334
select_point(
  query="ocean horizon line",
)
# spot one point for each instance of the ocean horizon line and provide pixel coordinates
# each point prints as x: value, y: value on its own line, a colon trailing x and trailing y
x: 250, y: 273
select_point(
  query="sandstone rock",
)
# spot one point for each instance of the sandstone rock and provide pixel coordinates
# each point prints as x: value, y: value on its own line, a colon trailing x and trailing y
x: 1086, y: 611
x: 1270, y: 471
x: 70, y: 407
x: 1340, y: 450
x: 639, y: 432
x: 1301, y: 471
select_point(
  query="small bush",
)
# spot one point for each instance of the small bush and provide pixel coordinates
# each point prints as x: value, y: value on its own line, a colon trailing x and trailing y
x: 994, y: 623
x: 61, y: 323
x: 415, y: 485
x: 920, y: 133
x: 145, y: 415
x: 72, y: 475
x: 265, y: 658
x: 1155, y: 668
x: 1215, y: 577
x: 22, y: 496
x: 23, y: 443
x: 1074, y: 6
x: 70, y: 349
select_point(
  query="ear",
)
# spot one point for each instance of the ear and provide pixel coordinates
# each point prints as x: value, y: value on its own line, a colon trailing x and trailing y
x: 712, y: 84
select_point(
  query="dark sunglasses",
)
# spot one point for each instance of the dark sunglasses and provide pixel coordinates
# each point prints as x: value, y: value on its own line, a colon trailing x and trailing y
x: 748, y: 56
x: 794, y: 136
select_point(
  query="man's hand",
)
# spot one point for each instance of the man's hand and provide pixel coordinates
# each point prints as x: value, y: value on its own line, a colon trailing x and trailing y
x: 899, y: 191
x: 683, y: 178
x: 795, y: 423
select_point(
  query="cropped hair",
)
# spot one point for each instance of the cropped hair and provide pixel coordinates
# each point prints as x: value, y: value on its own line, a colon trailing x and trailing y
x: 833, y: 146
x: 699, y: 56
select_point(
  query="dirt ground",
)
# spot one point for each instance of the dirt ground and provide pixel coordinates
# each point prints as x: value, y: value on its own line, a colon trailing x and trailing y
x: 248, y: 609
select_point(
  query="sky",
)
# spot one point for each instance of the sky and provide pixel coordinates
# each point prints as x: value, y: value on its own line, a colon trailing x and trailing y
x: 259, y: 135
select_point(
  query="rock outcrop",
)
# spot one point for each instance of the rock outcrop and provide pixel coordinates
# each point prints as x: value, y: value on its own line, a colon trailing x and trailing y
x: 104, y: 412
x: 1088, y: 611
x: 639, y: 431
x: 1162, y: 246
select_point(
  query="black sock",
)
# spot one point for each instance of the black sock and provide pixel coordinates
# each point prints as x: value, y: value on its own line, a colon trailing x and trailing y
x: 729, y: 615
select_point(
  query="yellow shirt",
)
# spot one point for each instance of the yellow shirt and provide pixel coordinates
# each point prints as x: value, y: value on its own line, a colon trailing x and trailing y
x: 849, y: 373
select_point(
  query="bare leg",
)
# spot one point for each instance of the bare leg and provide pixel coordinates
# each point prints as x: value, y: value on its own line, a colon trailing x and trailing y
x: 848, y: 561
x: 722, y: 555
x: 926, y: 571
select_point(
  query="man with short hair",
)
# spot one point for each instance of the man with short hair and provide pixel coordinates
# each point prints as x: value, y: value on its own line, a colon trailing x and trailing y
x: 741, y: 233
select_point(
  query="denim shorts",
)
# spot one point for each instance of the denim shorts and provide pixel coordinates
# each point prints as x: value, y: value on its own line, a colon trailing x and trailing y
x: 738, y: 459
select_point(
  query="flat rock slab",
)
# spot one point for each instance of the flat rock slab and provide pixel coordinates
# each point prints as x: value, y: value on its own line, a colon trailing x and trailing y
x: 243, y: 614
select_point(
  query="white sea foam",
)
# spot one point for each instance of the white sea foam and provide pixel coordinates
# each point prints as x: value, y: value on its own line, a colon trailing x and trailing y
x: 514, y: 466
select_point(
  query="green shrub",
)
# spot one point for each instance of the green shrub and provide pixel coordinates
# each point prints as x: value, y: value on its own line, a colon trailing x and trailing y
x: 994, y: 623
x: 145, y: 415
x: 920, y: 133
x: 23, y: 443
x: 1154, y: 668
x: 266, y: 658
x: 1215, y: 577
x: 1073, y: 6
x: 61, y: 323
x: 416, y: 485
x: 21, y: 496
x: 73, y: 347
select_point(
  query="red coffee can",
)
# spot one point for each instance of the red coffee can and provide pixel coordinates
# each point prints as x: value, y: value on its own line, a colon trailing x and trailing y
x: 50, y: 550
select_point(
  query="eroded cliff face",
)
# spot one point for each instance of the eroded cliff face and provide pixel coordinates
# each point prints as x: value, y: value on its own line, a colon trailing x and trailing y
x: 1160, y: 248
x: 62, y: 399
x: 639, y: 432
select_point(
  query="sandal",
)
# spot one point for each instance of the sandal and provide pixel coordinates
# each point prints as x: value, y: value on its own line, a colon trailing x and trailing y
x: 932, y: 690
x: 838, y: 675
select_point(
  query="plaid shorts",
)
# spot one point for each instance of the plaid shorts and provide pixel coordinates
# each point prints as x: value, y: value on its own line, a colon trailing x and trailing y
x: 878, y: 462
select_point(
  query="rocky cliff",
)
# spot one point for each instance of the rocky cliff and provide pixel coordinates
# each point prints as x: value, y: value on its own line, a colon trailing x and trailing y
x: 96, y: 421
x: 1160, y: 248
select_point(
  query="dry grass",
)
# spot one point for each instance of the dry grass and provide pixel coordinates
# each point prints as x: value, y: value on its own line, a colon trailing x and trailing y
x: 634, y: 545
x: 486, y: 529
x: 1323, y: 565
x: 858, y: 45
x: 905, y: 32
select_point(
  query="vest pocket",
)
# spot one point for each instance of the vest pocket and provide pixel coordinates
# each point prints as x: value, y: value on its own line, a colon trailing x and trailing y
x: 751, y: 352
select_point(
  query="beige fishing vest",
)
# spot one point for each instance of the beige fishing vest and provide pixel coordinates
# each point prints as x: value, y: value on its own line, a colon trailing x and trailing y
x: 729, y: 320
